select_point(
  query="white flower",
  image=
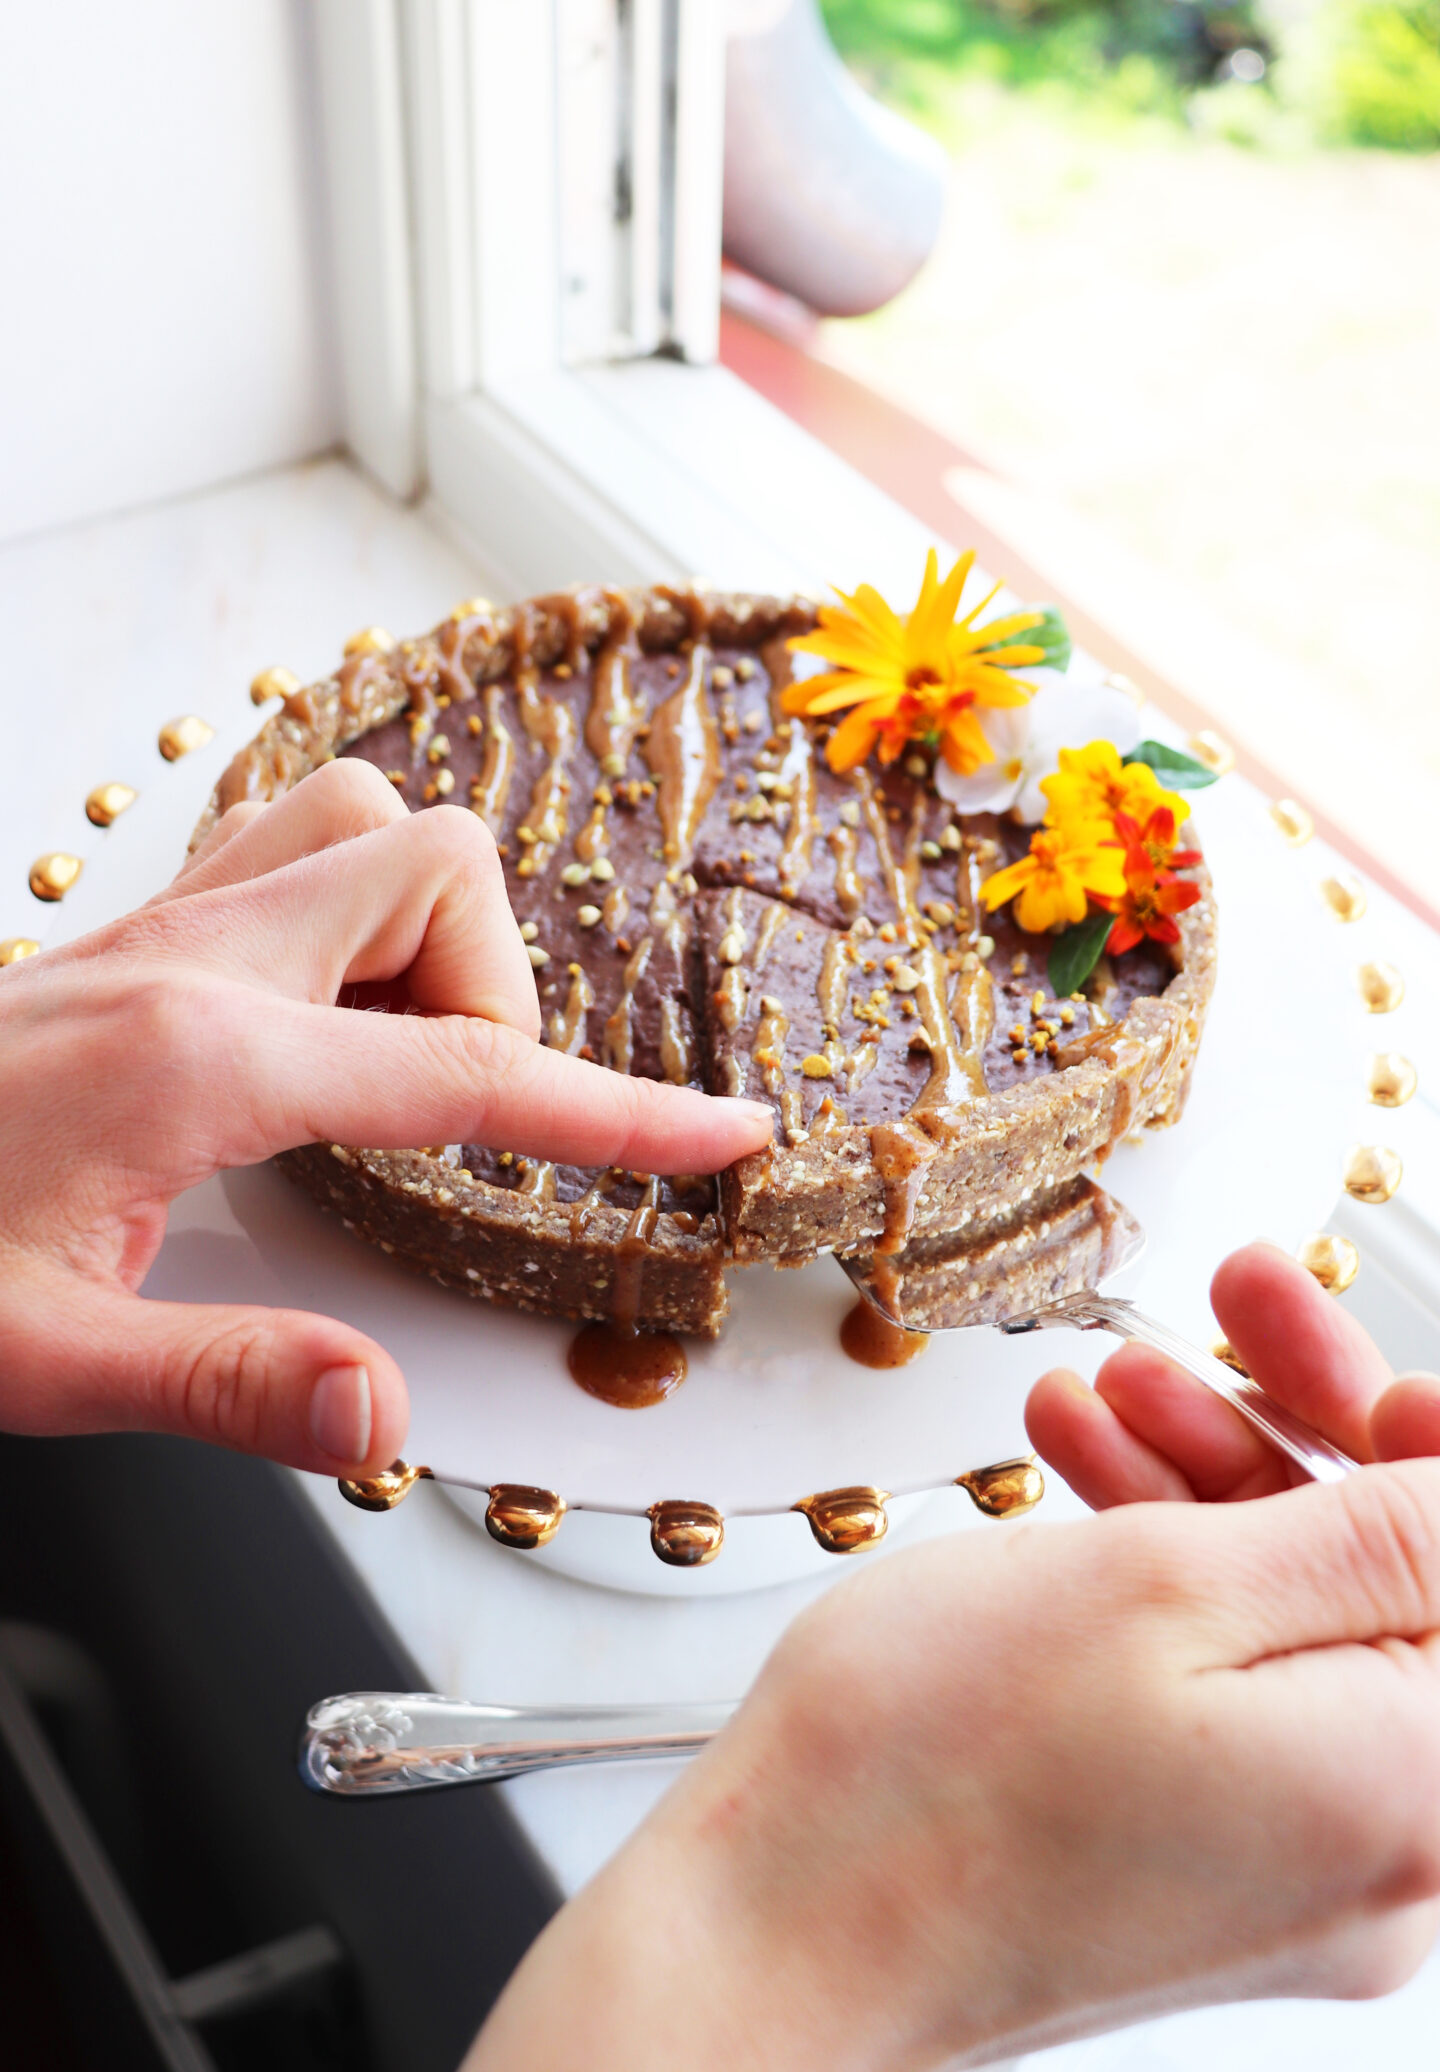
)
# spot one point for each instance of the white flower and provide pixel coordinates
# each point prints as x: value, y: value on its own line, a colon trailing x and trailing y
x: 1067, y: 711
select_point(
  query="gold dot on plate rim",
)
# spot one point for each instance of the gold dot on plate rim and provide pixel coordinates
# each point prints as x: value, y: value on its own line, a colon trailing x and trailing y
x: 1334, y: 1261
x: 384, y: 1491
x: 1293, y: 820
x: 52, y: 875
x: 1009, y: 1489
x: 1213, y: 750
x: 1381, y: 987
x: 519, y: 1515
x: 685, y: 1535
x: 370, y: 640
x: 846, y: 1520
x: 1391, y: 1080
x: 183, y: 736
x: 107, y: 802
x: 1372, y: 1173
x: 273, y: 683
x: 1344, y: 895
x: 17, y: 947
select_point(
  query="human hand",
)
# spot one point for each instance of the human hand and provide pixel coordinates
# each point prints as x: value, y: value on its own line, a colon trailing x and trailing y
x: 1148, y: 1431
x: 1016, y: 1786
x: 201, y: 1033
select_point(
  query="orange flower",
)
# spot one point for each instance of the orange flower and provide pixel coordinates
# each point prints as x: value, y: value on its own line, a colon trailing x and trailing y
x: 1148, y: 905
x: 1066, y: 868
x: 1155, y: 840
x: 917, y: 678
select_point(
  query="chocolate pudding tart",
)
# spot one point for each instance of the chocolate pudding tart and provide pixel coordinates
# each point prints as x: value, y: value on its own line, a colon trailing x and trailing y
x: 707, y: 901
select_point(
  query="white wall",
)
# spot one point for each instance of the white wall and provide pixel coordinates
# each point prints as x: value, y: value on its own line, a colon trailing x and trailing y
x: 163, y: 309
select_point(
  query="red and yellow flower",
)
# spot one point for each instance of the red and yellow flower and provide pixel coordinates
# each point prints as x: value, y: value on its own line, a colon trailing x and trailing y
x: 917, y: 678
x: 1153, y: 895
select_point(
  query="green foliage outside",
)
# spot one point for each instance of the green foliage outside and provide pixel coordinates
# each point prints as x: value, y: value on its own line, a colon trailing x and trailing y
x: 1336, y: 72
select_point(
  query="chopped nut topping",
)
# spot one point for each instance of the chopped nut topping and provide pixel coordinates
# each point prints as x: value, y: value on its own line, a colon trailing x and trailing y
x: 1067, y: 1016
x: 950, y: 838
x: 732, y: 946
x: 753, y: 721
x: 444, y: 783
x: 931, y: 851
x: 588, y: 916
x: 1019, y: 965
x: 612, y: 765
x: 474, y: 724
x: 528, y: 931
x: 538, y: 957
x: 722, y: 676
x: 850, y: 812
x: 438, y: 750
x: 563, y: 670
x: 395, y: 776
x: 745, y: 668
x: 1037, y: 1003
x: 602, y: 870
x: 575, y: 874
x: 525, y: 834
x: 906, y: 979
x: 941, y: 912
x: 765, y: 781
x: 888, y: 932
x: 916, y: 766
x: 985, y: 947
x: 770, y: 1005
x: 816, y: 1066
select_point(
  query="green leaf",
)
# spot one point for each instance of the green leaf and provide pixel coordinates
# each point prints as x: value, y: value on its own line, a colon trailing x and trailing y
x: 1074, y: 955
x: 1051, y: 634
x: 1180, y: 772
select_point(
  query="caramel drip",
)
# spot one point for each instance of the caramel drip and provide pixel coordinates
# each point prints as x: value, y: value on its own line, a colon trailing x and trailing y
x: 355, y: 671
x: 551, y: 725
x: 829, y: 1116
x: 491, y: 789
x: 860, y: 1063
x: 617, y: 1049
x: 683, y: 751
x: 849, y: 887
x: 730, y: 997
x: 616, y: 907
x: 676, y: 1059
x: 616, y: 714
x: 539, y: 1180
x: 792, y: 1115
x: 765, y: 936
x: 693, y: 603
x: 630, y: 1256
x: 565, y: 604
x: 768, y: 1050
x: 450, y: 668
x: 583, y: 1210
x: 955, y: 1073
x: 567, y: 1029
x: 902, y: 1153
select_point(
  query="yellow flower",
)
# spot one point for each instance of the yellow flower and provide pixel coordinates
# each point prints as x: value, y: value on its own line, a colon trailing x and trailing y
x: 918, y: 678
x: 1092, y: 784
x: 1051, y: 887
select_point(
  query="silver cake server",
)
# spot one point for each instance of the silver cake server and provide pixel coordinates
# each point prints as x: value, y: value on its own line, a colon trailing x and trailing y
x: 1116, y: 1242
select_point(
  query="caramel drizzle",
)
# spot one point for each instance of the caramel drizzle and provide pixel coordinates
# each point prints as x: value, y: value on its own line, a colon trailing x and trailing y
x: 972, y: 1004
x: 615, y: 907
x: 354, y: 672
x: 677, y: 1060
x: 798, y: 772
x: 768, y: 1049
x: 592, y: 839
x: 618, y: 1045
x: 583, y: 1210
x: 897, y: 883
x: 455, y: 679
x: 792, y: 1115
x: 730, y: 997
x: 683, y: 751
x: 567, y: 1029
x: 491, y: 789
x: 551, y: 725
x: 630, y: 1256
x: 765, y: 936
x: 849, y: 887
x: 539, y: 1179
x: 616, y: 714
x: 956, y: 1075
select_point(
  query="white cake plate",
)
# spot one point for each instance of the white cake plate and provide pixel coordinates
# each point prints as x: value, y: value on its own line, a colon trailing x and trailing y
x: 773, y: 1412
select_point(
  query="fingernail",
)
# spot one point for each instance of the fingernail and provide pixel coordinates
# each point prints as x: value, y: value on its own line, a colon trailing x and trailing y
x: 760, y: 1110
x: 340, y: 1413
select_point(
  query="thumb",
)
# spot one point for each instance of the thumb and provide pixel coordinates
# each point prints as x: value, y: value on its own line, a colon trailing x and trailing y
x: 295, y: 1387
x: 1406, y: 1419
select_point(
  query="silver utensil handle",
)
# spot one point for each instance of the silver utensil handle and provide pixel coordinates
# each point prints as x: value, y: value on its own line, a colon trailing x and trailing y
x: 1289, y: 1433
x: 366, y: 1744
